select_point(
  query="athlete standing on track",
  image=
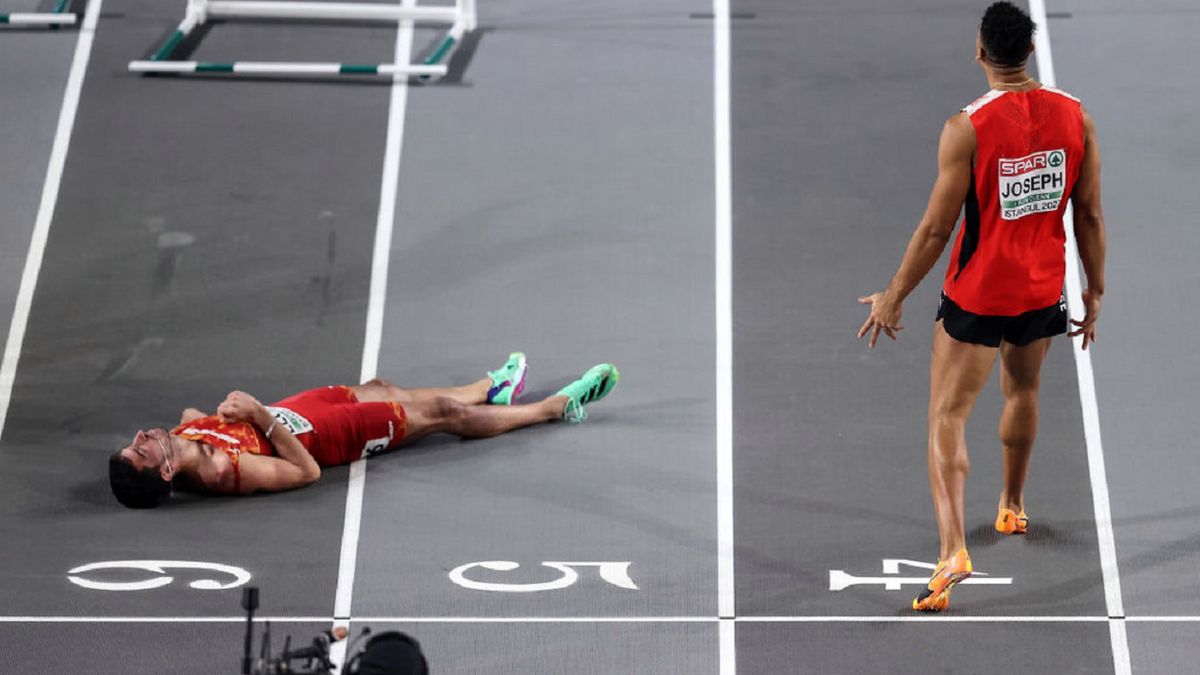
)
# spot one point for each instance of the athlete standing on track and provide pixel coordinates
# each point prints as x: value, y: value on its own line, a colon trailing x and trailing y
x: 1011, y: 159
x: 248, y: 447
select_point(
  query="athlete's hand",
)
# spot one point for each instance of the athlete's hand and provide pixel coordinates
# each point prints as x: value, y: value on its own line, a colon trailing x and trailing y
x: 1087, y: 327
x: 238, y: 406
x: 886, y: 311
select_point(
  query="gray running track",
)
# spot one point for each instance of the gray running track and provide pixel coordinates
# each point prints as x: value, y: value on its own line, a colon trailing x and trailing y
x: 1140, y: 95
x: 834, y: 156
x: 203, y: 241
x: 205, y: 649
x: 560, y: 203
x: 33, y: 68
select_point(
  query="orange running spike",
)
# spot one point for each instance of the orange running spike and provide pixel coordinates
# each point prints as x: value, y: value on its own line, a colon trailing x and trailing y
x: 936, y: 595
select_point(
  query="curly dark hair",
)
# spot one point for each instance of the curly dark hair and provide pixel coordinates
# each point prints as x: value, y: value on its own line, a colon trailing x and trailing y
x: 1006, y: 33
x: 137, y: 489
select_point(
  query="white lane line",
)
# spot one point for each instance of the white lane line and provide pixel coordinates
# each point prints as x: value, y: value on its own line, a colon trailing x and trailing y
x: 726, y: 633
x: 723, y: 203
x: 922, y: 619
x: 162, y: 619
x: 724, y: 308
x: 374, y: 330
x: 1087, y: 394
x: 45, y: 213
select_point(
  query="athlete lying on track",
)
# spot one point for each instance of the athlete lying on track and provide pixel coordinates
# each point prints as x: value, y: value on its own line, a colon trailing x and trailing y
x: 248, y: 447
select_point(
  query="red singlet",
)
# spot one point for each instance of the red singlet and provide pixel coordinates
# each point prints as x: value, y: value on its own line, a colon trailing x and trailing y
x: 1009, y: 257
x: 329, y: 422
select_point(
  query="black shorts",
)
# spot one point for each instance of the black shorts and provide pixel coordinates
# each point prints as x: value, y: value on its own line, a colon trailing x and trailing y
x: 1018, y: 330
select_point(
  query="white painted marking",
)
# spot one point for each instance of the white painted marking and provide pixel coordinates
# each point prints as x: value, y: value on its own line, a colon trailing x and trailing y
x: 914, y: 618
x: 1087, y: 392
x: 724, y: 307
x: 727, y: 646
x: 615, y: 573
x: 922, y: 618
x: 240, y: 576
x: 162, y: 619
x: 723, y: 281
x: 839, y: 580
x: 360, y: 619
x: 45, y: 213
x: 384, y: 224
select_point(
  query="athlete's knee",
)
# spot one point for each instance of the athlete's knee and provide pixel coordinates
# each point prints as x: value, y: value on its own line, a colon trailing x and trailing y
x: 947, y: 437
x: 378, y: 382
x: 1025, y: 397
x: 949, y: 412
x: 447, y: 410
x: 951, y: 456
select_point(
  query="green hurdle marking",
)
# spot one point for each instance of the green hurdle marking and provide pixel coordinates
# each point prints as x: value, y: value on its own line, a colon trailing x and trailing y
x: 209, y: 67
x: 442, y: 49
x: 164, y: 52
x: 355, y: 69
x: 61, y: 6
x: 3, y: 18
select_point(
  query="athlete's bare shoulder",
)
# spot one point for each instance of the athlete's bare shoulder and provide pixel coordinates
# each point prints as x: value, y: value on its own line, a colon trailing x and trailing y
x: 958, y: 136
x: 1089, y: 128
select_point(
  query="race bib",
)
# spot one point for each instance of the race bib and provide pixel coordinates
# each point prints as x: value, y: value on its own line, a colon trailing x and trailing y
x: 377, y: 445
x: 294, y: 423
x: 1032, y: 184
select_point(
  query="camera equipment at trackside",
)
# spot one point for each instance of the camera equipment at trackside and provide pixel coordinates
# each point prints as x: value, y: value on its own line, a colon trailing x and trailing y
x: 389, y: 653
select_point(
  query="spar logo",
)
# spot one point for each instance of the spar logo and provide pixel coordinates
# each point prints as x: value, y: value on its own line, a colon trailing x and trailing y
x: 1032, y: 184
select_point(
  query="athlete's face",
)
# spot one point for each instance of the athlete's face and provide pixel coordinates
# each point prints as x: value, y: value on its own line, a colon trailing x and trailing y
x: 149, y: 450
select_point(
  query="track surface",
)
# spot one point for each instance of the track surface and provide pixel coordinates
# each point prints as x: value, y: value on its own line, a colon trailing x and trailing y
x: 215, y: 234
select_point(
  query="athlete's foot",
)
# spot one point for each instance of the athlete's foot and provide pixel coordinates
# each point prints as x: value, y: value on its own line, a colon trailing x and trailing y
x: 1011, y: 518
x: 509, y: 381
x: 589, y: 388
x: 936, y: 595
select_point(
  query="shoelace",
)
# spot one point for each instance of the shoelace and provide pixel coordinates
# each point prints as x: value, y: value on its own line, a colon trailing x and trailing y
x: 574, y: 412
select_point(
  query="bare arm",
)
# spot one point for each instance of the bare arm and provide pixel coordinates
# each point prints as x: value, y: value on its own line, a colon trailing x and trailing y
x: 956, y: 148
x: 293, y: 466
x: 1089, y: 230
x: 190, y: 414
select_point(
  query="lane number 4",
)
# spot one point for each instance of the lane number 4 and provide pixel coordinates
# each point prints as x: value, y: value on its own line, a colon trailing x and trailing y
x: 839, y: 580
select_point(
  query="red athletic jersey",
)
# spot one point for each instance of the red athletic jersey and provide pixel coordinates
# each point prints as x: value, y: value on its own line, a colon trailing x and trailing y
x: 329, y: 422
x: 1009, y: 256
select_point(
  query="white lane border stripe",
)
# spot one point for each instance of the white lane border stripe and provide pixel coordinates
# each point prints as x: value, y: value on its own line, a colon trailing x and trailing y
x: 1087, y: 395
x: 722, y: 150
x: 600, y: 619
x: 45, y: 213
x: 374, y: 328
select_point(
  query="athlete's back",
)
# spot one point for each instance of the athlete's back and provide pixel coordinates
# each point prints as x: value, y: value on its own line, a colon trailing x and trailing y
x: 1009, y: 255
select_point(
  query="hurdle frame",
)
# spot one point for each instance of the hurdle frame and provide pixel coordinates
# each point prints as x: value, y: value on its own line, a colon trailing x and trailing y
x: 460, y: 16
x: 55, y: 18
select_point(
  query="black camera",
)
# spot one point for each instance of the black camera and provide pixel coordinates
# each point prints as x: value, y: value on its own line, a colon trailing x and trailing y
x: 389, y: 653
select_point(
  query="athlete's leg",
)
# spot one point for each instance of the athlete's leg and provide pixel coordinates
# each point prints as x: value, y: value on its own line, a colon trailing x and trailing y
x: 380, y: 389
x: 1020, y: 370
x: 958, y: 372
x: 446, y: 415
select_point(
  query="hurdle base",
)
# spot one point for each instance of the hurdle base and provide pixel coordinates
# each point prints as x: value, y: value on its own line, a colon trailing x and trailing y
x: 27, y: 19
x: 285, y: 69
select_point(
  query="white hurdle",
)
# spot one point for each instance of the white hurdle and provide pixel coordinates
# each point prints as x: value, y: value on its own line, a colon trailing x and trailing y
x: 55, y: 18
x: 460, y: 16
